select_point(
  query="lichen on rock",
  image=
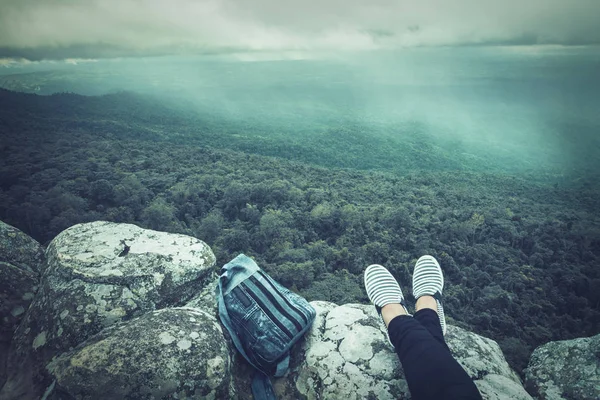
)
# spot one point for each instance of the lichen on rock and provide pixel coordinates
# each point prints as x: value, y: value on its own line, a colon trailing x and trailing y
x: 20, y: 250
x: 346, y: 355
x: 565, y: 369
x: 133, y: 359
x: 21, y: 259
x: 90, y: 284
x: 17, y: 289
x: 107, y: 322
x: 206, y: 299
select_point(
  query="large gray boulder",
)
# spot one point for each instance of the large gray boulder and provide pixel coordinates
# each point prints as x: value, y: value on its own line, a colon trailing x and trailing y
x: 566, y: 369
x: 171, y: 353
x: 21, y: 258
x: 346, y: 355
x: 107, y: 322
x: 98, y: 274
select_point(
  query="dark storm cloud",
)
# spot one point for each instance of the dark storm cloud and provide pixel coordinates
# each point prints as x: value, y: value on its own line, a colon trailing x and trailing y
x: 57, y: 29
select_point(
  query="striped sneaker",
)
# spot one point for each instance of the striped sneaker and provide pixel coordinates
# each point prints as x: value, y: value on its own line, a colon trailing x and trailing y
x: 428, y: 280
x: 382, y: 288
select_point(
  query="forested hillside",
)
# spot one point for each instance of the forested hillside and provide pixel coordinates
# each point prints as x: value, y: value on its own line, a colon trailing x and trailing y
x: 520, y: 256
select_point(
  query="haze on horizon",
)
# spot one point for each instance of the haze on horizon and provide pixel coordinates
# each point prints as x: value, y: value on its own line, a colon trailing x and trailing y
x: 63, y: 29
x: 514, y: 81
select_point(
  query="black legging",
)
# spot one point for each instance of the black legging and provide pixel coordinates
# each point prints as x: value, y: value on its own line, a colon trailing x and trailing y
x: 430, y: 370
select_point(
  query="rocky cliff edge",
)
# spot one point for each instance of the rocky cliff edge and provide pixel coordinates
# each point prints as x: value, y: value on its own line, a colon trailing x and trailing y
x: 116, y: 311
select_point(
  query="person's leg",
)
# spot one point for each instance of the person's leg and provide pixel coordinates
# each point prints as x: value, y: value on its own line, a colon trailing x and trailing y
x: 427, y: 285
x: 430, y: 370
x: 426, y: 314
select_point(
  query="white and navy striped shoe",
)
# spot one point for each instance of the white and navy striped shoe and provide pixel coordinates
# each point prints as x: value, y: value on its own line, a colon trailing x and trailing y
x: 382, y: 288
x: 428, y: 280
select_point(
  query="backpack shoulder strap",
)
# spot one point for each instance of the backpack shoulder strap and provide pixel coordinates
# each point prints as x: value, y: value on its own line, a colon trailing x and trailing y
x: 262, y: 388
x: 282, y: 366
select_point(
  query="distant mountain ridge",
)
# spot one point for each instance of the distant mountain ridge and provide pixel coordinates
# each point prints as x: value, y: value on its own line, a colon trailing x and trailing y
x: 122, y: 104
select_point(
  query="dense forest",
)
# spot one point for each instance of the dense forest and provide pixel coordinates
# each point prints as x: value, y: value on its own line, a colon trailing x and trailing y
x: 520, y: 256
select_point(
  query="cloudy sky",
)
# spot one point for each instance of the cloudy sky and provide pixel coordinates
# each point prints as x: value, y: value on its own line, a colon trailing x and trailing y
x: 59, y: 29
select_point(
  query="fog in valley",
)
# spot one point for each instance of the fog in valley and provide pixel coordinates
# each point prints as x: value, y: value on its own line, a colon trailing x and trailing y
x: 507, y: 108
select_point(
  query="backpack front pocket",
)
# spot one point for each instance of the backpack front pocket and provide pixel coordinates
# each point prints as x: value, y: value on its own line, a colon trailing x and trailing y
x: 270, y: 343
x: 257, y: 326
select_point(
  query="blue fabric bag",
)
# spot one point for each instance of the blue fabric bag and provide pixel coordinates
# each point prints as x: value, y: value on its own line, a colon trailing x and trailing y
x: 263, y: 318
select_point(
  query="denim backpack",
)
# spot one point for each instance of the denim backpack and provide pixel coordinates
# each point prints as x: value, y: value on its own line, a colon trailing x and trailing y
x: 263, y: 318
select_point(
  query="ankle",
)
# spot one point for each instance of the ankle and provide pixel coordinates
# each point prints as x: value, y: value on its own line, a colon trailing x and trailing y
x: 426, y: 302
x: 391, y: 311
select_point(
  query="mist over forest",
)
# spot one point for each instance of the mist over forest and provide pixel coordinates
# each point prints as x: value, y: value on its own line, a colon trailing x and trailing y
x: 319, y: 163
x: 507, y: 109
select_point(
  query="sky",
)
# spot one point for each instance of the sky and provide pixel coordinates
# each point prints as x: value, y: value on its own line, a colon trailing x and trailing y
x: 88, y: 29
